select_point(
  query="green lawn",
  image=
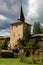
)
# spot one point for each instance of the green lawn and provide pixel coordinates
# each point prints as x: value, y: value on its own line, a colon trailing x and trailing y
x: 13, y: 61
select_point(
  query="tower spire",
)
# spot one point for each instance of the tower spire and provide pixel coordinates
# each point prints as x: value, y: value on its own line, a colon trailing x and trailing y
x: 21, y: 15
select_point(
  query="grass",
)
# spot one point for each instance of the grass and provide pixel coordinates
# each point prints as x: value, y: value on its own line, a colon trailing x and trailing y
x: 13, y: 61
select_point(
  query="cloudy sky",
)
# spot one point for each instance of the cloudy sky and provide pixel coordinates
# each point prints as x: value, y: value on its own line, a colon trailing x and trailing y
x: 9, y: 12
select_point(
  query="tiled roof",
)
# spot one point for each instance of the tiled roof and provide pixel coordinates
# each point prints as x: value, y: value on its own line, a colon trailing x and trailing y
x: 20, y: 23
x: 36, y: 35
x: 4, y: 37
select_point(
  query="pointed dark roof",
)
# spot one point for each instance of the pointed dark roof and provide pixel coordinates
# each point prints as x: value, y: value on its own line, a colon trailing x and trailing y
x: 21, y: 18
x: 21, y: 15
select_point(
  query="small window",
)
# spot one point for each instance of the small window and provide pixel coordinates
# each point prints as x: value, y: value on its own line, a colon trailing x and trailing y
x: 16, y: 25
x: 14, y: 34
x: 18, y: 34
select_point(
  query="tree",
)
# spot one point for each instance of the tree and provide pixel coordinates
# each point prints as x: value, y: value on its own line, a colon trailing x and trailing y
x: 26, y: 34
x: 36, y: 28
x: 5, y: 45
x: 42, y: 29
x: 1, y: 44
x: 21, y: 43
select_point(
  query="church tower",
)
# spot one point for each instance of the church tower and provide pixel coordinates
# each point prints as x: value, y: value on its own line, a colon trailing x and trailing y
x: 21, y: 15
x: 17, y: 29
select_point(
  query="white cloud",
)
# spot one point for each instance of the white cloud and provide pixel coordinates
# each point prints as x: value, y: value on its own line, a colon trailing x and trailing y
x: 4, y: 32
x: 32, y: 10
x: 2, y: 17
x: 35, y: 10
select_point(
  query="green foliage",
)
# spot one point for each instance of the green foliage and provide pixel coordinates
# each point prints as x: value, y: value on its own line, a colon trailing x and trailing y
x: 5, y: 45
x: 0, y: 45
x: 21, y: 43
x: 22, y: 58
x: 26, y: 34
x: 42, y: 29
x: 36, y: 27
x: 30, y: 44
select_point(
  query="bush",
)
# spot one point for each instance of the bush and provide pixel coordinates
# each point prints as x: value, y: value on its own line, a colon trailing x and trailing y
x: 16, y: 52
x: 0, y: 52
x: 16, y: 55
x: 7, y: 54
